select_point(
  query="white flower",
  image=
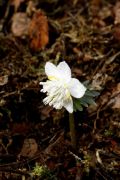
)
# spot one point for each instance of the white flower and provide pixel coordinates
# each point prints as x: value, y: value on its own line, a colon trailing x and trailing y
x: 60, y: 87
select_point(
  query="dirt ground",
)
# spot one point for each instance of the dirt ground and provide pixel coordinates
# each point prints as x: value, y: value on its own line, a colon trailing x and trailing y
x: 34, y: 138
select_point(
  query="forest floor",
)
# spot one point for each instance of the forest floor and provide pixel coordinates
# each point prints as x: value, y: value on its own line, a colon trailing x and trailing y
x: 34, y: 138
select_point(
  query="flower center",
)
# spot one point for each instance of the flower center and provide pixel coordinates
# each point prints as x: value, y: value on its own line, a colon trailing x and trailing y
x: 57, y: 93
x: 52, y: 78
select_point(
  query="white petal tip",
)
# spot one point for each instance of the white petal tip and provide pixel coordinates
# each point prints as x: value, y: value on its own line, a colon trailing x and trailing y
x: 69, y: 106
x: 77, y: 89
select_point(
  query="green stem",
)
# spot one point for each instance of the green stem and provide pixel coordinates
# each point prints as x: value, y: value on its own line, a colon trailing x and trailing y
x: 72, y: 130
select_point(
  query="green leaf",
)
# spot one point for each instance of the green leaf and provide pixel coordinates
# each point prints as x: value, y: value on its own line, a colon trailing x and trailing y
x: 77, y: 105
x: 83, y: 102
x: 86, y: 83
x: 92, y: 93
x: 90, y: 101
x: 87, y: 99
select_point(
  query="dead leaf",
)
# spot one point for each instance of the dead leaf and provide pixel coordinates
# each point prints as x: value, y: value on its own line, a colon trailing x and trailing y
x: 116, y: 94
x: 116, y: 32
x: 78, y: 52
x: 99, y: 81
x: 55, y: 146
x: 20, y: 128
x: 117, y: 102
x: 16, y: 3
x: 115, y: 97
x: 3, y: 80
x: 31, y: 7
x: 95, y: 7
x: 115, y: 147
x: 116, y: 11
x: 87, y: 57
x: 77, y: 71
x: 29, y: 148
x: 45, y: 112
x: 38, y: 31
x: 20, y: 24
x: 105, y: 12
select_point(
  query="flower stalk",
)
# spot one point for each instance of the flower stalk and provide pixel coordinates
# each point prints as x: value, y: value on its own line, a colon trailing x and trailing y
x: 72, y: 130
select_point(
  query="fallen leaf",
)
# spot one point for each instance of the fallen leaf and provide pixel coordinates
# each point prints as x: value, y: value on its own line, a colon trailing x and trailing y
x: 20, y: 24
x: 99, y: 81
x: 29, y: 148
x: 45, y: 112
x: 16, y: 3
x: 20, y: 128
x: 55, y: 146
x: 115, y: 97
x: 116, y: 11
x: 116, y: 102
x: 115, y: 147
x: 95, y: 6
x: 105, y: 12
x: 116, y: 32
x: 3, y: 80
x: 77, y: 71
x: 38, y: 31
x: 31, y: 7
x: 87, y: 57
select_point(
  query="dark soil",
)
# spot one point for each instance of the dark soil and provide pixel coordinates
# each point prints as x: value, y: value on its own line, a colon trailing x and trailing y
x: 85, y: 34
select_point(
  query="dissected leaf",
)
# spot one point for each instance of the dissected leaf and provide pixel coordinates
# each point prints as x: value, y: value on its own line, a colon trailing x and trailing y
x: 77, y: 105
x: 86, y: 100
x: 38, y: 31
x: 83, y: 102
x: 90, y: 101
x: 87, y: 83
x: 92, y: 93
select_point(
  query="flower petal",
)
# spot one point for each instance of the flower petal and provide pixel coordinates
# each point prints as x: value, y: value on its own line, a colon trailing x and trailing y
x: 76, y: 88
x: 64, y: 71
x: 68, y: 105
x: 51, y: 71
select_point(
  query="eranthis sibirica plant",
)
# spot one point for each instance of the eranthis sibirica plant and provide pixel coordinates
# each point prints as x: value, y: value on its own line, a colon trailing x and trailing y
x: 64, y: 91
x: 60, y: 87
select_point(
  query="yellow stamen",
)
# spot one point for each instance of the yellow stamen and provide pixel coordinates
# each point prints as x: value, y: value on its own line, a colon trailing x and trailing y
x: 52, y: 78
x: 68, y: 95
